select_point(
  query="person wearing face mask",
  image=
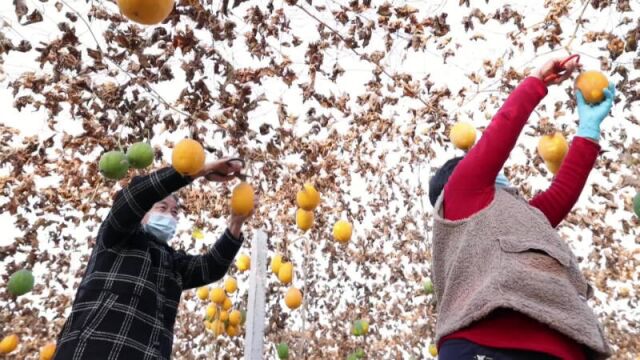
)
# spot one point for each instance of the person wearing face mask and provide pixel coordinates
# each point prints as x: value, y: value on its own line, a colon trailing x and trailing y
x: 506, y: 285
x: 127, y: 301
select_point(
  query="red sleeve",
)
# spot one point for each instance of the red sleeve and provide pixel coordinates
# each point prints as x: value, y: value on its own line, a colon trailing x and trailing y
x: 558, y: 200
x: 471, y: 187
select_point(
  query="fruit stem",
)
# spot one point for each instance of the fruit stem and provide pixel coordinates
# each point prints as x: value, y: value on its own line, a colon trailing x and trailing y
x: 575, y: 30
x: 95, y: 189
x: 118, y: 139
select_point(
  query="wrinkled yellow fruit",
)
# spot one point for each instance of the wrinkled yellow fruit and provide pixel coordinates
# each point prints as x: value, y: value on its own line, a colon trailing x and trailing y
x: 242, y: 199
x: 146, y: 12
x: 285, y: 273
x: 304, y: 219
x: 202, y: 293
x: 243, y: 263
x: 9, y: 343
x: 592, y: 84
x: 463, y: 135
x: 308, y: 198
x: 276, y: 261
x: 293, y: 298
x: 230, y: 285
x: 211, y: 312
x: 433, y: 350
x: 342, y: 231
x: 47, y: 351
x: 224, y: 316
x: 218, y: 327
x: 233, y: 330
x: 227, y: 304
x: 217, y: 295
x: 188, y: 157
x: 553, y: 167
x: 235, y: 317
x: 553, y: 148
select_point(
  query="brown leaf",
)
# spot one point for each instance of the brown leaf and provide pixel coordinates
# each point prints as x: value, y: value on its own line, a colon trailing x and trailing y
x: 34, y: 17
x: 20, y: 8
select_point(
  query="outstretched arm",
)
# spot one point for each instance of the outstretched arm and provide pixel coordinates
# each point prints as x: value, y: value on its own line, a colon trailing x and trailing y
x: 204, y: 269
x: 557, y: 201
x: 134, y: 200
x: 471, y: 187
x: 200, y: 270
x: 472, y: 184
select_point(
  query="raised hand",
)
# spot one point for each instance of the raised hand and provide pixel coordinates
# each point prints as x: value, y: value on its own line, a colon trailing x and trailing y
x: 556, y: 71
x: 236, y: 221
x: 221, y: 170
x: 591, y: 116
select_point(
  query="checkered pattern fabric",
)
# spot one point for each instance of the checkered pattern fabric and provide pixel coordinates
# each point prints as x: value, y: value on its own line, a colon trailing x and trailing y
x: 126, y: 304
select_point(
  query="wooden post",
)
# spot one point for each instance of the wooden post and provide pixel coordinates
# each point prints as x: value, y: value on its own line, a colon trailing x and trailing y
x: 305, y: 299
x: 254, y: 338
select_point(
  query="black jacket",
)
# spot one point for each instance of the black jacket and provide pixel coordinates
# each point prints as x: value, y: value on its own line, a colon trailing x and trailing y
x: 126, y: 304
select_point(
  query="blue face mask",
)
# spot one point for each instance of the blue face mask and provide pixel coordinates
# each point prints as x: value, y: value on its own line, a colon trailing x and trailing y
x: 502, y: 181
x: 162, y: 226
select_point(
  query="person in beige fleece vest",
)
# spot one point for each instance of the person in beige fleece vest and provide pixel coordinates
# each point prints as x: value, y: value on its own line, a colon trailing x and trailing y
x: 502, y: 269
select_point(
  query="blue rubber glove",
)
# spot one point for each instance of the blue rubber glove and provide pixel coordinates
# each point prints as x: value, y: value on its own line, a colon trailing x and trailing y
x: 502, y: 180
x: 591, y: 116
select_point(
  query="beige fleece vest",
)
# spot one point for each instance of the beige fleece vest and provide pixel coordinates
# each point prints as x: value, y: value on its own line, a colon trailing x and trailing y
x: 508, y: 255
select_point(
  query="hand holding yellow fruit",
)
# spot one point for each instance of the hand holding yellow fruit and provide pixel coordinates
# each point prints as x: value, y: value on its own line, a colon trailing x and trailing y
x: 308, y: 198
x: 188, y: 157
x: 293, y: 298
x: 242, y: 199
x: 243, y: 263
x: 463, y: 135
x: 342, y: 231
x: 592, y: 84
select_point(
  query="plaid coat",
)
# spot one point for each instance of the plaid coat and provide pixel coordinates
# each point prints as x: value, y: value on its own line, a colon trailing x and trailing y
x: 126, y: 304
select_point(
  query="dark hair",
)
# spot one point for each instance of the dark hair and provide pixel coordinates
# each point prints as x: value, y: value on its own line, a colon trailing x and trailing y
x: 439, y: 180
x: 179, y: 204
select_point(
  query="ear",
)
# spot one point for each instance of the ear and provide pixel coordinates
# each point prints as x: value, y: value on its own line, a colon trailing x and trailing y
x: 145, y: 219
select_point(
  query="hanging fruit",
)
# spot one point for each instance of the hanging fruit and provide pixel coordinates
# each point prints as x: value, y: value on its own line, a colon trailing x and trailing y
x: 188, y: 157
x: 114, y: 165
x: 146, y: 12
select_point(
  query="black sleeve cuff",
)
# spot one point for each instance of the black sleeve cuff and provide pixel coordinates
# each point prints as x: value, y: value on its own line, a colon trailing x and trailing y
x: 233, y: 239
